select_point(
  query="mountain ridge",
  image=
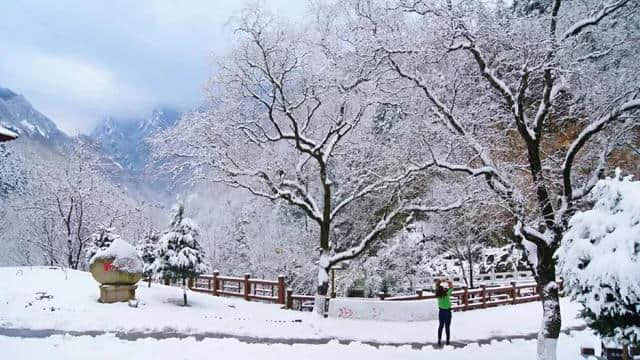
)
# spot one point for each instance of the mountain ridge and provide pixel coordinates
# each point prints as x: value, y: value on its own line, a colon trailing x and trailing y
x: 18, y: 115
x: 124, y: 139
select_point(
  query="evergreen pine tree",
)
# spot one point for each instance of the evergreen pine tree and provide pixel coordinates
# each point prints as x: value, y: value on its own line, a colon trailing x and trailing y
x: 179, y: 255
x: 147, y: 251
x: 100, y: 240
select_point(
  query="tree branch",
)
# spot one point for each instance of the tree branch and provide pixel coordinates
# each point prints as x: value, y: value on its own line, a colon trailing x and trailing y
x: 585, y: 135
x: 594, y: 18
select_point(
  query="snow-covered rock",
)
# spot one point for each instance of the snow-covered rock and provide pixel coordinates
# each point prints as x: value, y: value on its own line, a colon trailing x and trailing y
x: 124, y: 255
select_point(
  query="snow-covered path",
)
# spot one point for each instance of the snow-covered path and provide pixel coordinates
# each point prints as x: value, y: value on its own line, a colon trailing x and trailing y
x: 162, y: 335
x: 109, y: 347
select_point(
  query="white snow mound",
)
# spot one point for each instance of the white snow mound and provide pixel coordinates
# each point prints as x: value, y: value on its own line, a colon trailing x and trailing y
x: 124, y: 255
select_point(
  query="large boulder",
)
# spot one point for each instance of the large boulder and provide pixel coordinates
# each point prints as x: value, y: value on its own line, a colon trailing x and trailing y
x: 119, y: 264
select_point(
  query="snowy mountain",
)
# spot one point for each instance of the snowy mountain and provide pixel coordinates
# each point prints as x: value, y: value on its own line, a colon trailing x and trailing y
x: 19, y: 116
x: 124, y: 139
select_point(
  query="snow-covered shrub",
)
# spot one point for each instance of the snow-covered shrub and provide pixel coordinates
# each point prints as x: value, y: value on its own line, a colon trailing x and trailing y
x: 100, y: 240
x: 599, y: 260
x: 147, y: 252
x: 179, y: 254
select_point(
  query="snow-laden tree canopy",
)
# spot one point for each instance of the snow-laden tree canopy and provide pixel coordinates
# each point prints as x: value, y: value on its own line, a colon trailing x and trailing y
x: 100, y: 241
x: 179, y: 253
x: 147, y: 251
x: 600, y: 259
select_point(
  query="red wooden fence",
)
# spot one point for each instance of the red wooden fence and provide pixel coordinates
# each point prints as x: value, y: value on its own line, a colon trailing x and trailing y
x: 276, y: 292
x: 244, y: 287
x: 482, y: 297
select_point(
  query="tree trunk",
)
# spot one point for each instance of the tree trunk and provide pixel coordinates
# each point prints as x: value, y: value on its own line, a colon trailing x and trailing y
x: 470, y: 270
x: 551, y: 321
x: 70, y: 251
x: 464, y: 273
x: 184, y: 291
x: 323, y: 283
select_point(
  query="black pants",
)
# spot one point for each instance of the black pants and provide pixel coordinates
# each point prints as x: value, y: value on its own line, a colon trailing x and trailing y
x: 445, y: 322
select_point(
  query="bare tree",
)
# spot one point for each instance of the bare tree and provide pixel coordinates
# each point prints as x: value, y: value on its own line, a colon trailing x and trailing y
x: 282, y: 126
x: 64, y: 201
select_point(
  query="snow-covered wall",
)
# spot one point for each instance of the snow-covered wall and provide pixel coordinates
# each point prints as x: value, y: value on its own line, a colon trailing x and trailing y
x: 419, y: 310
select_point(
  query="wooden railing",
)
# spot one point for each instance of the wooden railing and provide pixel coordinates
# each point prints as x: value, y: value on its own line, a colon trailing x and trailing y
x: 299, y: 302
x: 275, y: 291
x: 272, y: 291
x: 482, y: 297
x: 488, y: 279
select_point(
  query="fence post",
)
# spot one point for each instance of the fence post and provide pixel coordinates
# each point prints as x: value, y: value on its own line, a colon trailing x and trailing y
x: 381, y: 295
x: 247, y: 286
x: 514, y: 294
x: 190, y: 283
x: 465, y: 297
x: 289, y: 298
x: 419, y: 293
x: 483, y: 295
x: 216, y: 285
x: 281, y: 290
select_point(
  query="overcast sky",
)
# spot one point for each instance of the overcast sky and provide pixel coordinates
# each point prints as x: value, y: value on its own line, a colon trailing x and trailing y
x: 78, y: 61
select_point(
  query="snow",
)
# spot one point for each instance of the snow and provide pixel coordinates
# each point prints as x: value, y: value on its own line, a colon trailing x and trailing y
x: 7, y: 132
x: 108, y: 347
x: 531, y: 250
x: 547, y: 349
x: 124, y: 254
x: 369, y: 309
x: 323, y: 276
x: 75, y: 307
x: 600, y: 254
x: 28, y: 125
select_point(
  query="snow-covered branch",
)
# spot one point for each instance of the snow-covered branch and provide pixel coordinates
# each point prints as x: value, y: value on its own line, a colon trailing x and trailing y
x: 585, y: 135
x: 299, y: 197
x: 382, y: 225
x: 378, y: 185
x: 594, y: 18
x: 441, y: 109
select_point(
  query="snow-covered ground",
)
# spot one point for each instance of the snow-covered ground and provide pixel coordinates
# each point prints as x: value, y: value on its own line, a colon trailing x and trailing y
x: 109, y: 347
x: 74, y: 307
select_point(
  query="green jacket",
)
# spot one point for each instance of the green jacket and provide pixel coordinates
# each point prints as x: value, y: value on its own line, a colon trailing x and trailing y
x: 445, y: 301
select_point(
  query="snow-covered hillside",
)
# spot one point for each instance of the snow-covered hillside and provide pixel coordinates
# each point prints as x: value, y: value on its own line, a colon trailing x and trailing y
x: 19, y: 116
x: 123, y: 140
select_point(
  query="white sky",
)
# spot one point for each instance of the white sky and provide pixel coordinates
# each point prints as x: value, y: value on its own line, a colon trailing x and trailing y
x: 78, y: 61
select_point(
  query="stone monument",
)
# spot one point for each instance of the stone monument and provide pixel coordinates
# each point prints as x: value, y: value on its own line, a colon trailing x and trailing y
x: 117, y: 268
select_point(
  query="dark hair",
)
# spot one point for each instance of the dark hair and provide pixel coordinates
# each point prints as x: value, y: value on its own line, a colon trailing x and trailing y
x: 441, y: 291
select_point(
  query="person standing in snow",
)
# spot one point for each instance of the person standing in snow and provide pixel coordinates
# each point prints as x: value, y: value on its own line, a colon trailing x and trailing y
x: 444, y: 289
